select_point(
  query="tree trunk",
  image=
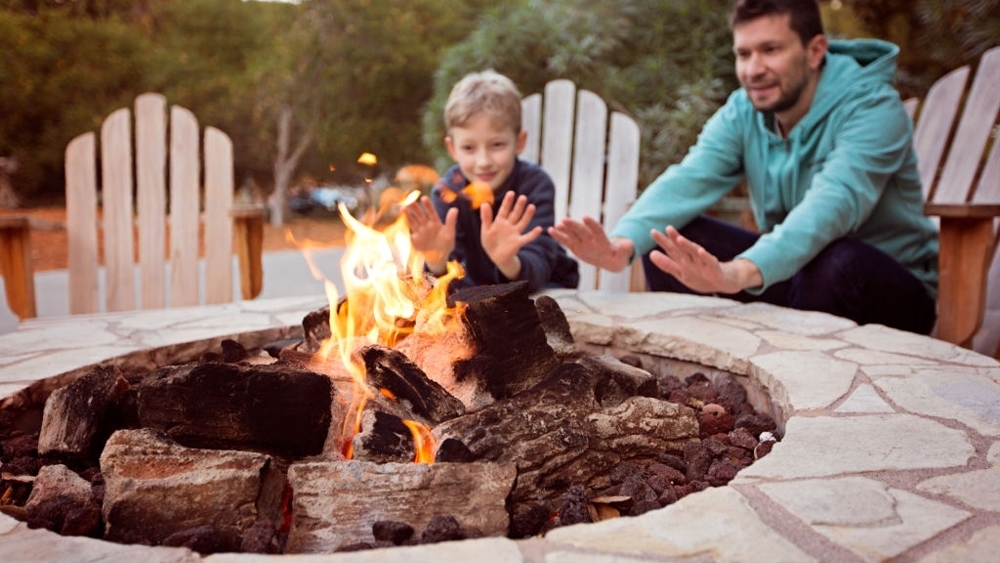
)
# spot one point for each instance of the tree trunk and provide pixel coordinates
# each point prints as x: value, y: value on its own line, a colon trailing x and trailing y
x: 285, y: 163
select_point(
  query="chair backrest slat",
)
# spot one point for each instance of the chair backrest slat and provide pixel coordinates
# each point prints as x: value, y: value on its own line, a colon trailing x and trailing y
x: 151, y: 196
x: 531, y: 122
x: 974, y: 129
x: 621, y: 186
x: 594, y: 167
x: 185, y: 207
x: 935, y: 123
x: 81, y: 223
x: 218, y: 223
x: 116, y: 205
x: 557, y: 139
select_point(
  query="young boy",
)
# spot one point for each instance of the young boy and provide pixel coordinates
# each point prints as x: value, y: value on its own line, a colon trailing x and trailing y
x: 457, y: 223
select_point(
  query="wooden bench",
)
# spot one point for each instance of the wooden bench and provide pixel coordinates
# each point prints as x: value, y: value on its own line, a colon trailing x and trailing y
x: 959, y: 161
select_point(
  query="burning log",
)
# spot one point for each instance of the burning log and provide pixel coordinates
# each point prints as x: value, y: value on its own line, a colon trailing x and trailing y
x: 274, y: 408
x: 503, y: 351
x: 398, y: 378
x: 155, y: 488
x: 572, y: 428
x: 337, y: 504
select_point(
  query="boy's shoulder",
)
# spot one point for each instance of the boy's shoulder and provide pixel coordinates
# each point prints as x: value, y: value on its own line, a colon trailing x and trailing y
x: 528, y: 174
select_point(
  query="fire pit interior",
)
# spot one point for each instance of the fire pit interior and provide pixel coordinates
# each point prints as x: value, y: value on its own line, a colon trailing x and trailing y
x: 482, y: 419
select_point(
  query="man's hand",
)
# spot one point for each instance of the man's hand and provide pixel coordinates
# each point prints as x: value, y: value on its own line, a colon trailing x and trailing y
x: 693, y: 266
x: 429, y: 236
x: 587, y: 241
x: 503, y: 236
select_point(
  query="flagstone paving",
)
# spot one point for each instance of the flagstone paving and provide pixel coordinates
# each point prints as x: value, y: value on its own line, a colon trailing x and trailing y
x: 890, y: 446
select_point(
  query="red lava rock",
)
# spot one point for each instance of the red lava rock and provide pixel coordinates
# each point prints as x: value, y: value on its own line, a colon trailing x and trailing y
x: 446, y: 528
x: 644, y: 506
x: 701, y: 388
x: 392, y: 531
x: 742, y: 438
x: 698, y: 459
x: 668, y: 496
x: 83, y: 521
x: 721, y: 472
x: 574, y: 506
x: 715, y: 423
x: 763, y: 449
x: 673, y: 475
x: 203, y: 539
x: 713, y: 408
x: 756, y: 423
x: 529, y: 522
x: 260, y: 538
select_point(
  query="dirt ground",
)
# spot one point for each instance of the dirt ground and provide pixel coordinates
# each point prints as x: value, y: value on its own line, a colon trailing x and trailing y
x: 49, y: 244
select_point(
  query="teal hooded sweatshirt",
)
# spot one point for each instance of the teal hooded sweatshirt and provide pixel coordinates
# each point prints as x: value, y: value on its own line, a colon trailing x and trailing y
x: 847, y: 169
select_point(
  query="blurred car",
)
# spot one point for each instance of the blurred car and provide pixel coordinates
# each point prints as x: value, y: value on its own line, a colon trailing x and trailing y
x: 324, y: 197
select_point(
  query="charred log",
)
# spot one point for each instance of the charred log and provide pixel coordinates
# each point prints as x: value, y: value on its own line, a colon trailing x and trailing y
x: 391, y: 371
x: 75, y: 421
x: 273, y: 408
x: 513, y: 353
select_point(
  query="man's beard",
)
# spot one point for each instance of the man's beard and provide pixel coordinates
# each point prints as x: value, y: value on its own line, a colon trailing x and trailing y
x: 783, y: 103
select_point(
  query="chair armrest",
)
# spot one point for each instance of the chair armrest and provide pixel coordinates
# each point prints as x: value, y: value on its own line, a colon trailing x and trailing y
x: 248, y: 237
x: 15, y: 265
x: 962, y: 210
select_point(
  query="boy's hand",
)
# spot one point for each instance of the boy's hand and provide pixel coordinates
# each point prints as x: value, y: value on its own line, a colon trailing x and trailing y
x: 502, y: 236
x: 429, y: 236
x: 588, y: 242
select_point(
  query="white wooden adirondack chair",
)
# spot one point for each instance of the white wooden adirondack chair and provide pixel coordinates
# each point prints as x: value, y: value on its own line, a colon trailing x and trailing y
x: 593, y: 162
x: 962, y: 189
x: 153, y: 166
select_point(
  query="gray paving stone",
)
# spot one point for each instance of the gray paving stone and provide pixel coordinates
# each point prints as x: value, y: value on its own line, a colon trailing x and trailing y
x: 875, y: 357
x: 946, y: 393
x: 806, y: 323
x: 878, y: 337
x: 487, y: 550
x: 687, y: 528
x: 864, y: 400
x: 993, y: 456
x: 982, y: 547
x: 829, y: 446
x: 866, y: 516
x: 700, y: 340
x: 22, y: 545
x: 812, y: 380
x: 978, y: 489
x: 791, y: 341
x: 639, y: 305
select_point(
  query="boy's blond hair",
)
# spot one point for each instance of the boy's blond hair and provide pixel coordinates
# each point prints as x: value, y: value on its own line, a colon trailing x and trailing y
x: 486, y: 92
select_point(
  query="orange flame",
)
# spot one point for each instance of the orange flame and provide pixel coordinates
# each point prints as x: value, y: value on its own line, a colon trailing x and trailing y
x: 477, y: 193
x: 423, y: 442
x: 386, y: 294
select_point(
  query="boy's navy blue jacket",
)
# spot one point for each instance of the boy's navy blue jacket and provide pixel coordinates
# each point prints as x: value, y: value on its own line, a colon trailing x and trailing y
x: 544, y: 262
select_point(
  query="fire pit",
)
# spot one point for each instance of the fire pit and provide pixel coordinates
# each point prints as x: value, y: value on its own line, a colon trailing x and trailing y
x: 887, y: 453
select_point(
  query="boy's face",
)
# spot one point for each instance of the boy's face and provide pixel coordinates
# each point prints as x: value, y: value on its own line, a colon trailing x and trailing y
x: 484, y: 152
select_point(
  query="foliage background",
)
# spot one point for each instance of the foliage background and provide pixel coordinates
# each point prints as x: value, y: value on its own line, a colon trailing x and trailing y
x: 349, y: 76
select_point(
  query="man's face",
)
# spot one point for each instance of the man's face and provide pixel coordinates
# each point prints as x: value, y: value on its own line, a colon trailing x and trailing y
x: 773, y: 65
x: 484, y: 151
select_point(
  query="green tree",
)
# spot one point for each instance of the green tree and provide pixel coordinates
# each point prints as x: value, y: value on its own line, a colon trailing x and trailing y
x: 935, y: 36
x: 59, y: 75
x: 352, y: 76
x: 668, y: 63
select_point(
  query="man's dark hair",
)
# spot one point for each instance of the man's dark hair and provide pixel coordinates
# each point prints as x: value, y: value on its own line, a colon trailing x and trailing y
x: 805, y: 18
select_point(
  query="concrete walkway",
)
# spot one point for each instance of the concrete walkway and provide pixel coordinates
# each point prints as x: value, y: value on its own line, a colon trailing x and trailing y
x: 286, y: 274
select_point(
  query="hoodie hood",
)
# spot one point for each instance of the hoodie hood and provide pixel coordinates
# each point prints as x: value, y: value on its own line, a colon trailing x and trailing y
x: 857, y: 61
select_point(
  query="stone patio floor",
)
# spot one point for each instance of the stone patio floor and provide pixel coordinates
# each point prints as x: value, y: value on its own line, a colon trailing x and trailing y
x: 891, y: 446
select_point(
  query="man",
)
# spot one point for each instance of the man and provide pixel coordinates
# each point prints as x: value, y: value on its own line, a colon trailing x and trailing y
x: 821, y: 138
